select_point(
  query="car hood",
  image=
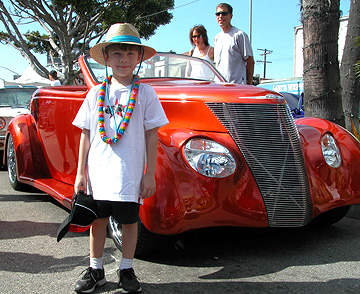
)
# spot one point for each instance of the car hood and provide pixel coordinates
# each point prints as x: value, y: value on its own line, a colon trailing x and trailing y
x: 212, y: 91
x: 12, y: 111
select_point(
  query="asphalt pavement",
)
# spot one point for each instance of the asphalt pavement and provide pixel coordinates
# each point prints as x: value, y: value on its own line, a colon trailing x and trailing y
x: 354, y: 211
x: 304, y: 260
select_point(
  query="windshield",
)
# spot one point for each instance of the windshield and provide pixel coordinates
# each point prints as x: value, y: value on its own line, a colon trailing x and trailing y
x: 19, y: 97
x: 166, y: 65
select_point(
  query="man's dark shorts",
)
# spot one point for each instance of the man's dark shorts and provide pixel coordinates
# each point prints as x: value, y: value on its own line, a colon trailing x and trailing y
x: 123, y: 212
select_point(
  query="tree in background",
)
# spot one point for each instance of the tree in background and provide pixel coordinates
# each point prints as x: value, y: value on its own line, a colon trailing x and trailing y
x: 71, y: 25
x: 350, y: 82
x: 322, y: 91
x: 357, y: 64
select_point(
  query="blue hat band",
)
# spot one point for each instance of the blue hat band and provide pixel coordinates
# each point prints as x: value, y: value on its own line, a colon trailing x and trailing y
x: 125, y: 39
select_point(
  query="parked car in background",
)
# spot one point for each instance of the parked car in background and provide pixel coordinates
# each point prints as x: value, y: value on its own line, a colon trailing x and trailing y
x: 14, y: 100
x: 295, y: 102
x: 232, y: 155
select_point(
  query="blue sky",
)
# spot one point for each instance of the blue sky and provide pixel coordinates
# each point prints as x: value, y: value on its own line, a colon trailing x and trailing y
x: 273, y: 23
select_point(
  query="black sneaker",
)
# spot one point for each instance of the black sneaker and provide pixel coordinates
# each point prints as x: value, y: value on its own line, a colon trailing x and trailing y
x: 91, y: 279
x: 128, y: 281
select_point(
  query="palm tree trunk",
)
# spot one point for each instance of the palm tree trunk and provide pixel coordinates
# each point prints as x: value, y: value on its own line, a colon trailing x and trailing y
x: 322, y: 91
x: 349, y: 82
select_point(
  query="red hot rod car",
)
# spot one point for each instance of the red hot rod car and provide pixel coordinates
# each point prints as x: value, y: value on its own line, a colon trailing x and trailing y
x: 232, y: 155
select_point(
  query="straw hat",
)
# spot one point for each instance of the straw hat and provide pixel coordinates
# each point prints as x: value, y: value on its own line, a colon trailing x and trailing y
x: 122, y: 33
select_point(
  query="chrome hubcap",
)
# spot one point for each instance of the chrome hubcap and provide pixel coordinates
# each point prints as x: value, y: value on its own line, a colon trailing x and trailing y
x: 11, y: 160
x: 116, y: 231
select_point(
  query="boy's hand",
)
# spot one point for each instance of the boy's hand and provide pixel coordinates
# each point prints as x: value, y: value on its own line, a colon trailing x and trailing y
x: 79, y: 182
x: 148, y: 186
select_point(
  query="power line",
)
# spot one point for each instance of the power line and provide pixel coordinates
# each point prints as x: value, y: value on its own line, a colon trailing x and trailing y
x: 9, y: 70
x: 140, y: 17
x: 266, y: 52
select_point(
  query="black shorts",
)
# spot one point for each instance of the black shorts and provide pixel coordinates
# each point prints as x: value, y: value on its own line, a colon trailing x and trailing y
x: 124, y: 213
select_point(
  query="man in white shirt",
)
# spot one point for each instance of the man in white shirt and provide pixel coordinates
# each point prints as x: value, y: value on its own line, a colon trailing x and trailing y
x: 232, y: 50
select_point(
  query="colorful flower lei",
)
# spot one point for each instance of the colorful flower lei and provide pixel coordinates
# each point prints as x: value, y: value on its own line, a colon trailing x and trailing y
x: 125, y: 118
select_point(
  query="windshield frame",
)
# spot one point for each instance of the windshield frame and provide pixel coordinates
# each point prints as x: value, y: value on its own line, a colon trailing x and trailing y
x: 92, y: 66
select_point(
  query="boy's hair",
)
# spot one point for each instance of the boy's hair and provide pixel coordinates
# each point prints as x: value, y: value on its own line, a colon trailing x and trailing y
x: 227, y: 6
x: 202, y: 31
x: 124, y: 47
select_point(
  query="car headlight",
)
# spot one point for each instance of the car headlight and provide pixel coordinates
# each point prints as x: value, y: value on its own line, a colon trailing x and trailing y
x: 330, y: 151
x: 2, y: 123
x: 209, y: 158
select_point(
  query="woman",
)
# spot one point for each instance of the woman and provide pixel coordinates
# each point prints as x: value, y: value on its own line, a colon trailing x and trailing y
x: 201, y: 49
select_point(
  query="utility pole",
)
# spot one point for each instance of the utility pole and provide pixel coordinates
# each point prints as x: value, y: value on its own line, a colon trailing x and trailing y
x: 250, y: 21
x: 266, y: 52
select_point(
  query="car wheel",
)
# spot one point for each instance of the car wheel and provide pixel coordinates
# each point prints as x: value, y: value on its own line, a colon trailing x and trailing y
x: 147, y: 241
x: 330, y: 217
x: 12, y: 166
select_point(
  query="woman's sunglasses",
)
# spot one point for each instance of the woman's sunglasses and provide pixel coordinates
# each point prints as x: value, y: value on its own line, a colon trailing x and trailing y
x: 223, y: 13
x: 196, y: 36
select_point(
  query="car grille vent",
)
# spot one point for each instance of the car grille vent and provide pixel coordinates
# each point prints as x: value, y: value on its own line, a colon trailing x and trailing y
x: 269, y: 141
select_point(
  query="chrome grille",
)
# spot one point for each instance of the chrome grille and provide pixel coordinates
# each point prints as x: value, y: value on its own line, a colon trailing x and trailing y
x: 269, y: 141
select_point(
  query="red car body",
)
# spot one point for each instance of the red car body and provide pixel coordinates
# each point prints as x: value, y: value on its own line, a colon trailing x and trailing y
x: 241, y: 118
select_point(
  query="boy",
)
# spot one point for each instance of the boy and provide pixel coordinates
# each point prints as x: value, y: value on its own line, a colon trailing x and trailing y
x: 119, y: 121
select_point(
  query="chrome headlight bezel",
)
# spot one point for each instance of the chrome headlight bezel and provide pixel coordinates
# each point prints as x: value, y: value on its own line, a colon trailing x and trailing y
x: 2, y: 123
x: 330, y: 150
x: 209, y: 158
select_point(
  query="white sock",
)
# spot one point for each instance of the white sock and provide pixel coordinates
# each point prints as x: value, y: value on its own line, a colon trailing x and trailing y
x: 126, y: 263
x: 96, y: 263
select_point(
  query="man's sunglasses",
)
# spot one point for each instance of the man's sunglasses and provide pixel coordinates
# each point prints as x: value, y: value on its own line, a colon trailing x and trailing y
x: 223, y: 13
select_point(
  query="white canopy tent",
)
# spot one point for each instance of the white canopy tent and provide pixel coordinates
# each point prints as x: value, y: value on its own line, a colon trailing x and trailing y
x: 29, y: 78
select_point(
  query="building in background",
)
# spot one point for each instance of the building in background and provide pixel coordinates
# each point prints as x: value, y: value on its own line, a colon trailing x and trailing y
x: 295, y: 84
x: 299, y: 43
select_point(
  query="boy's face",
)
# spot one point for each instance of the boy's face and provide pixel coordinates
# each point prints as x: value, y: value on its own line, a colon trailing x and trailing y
x: 122, y: 62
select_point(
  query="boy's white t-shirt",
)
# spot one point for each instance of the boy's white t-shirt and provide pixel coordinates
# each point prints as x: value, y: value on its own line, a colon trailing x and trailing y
x: 115, y: 171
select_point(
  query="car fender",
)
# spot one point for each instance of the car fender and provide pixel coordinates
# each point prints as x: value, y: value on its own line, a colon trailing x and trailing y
x: 330, y: 187
x: 183, y: 195
x: 29, y: 156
